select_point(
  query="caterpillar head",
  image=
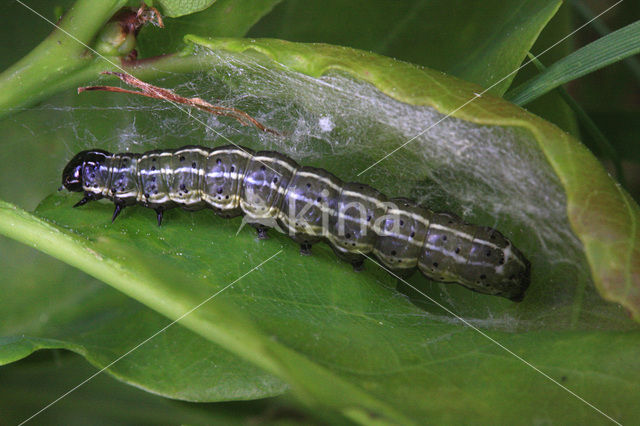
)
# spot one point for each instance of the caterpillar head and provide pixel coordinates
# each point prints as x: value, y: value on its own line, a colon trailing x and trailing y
x: 517, y: 277
x: 497, y: 266
x: 72, y: 173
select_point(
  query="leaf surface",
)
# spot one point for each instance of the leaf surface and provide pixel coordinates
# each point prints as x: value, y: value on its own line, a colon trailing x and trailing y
x: 55, y: 307
x: 447, y: 365
x: 176, y: 8
x: 484, y: 45
x: 56, y: 372
x: 602, y: 229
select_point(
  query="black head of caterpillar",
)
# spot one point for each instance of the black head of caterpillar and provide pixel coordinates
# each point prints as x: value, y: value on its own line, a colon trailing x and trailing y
x: 72, y: 173
x: 271, y: 190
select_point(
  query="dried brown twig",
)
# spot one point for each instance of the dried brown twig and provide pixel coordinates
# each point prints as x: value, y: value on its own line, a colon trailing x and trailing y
x: 151, y: 91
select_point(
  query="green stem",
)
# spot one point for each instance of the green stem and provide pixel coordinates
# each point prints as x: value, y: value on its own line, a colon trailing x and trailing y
x: 63, y: 52
x: 90, y: 73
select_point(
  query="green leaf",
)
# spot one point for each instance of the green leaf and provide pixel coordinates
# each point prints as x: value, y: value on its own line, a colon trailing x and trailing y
x: 605, y: 147
x: 62, y: 308
x: 176, y: 8
x: 175, y: 291
x: 611, y: 48
x: 57, y: 372
x: 550, y: 106
x: 349, y: 343
x: 453, y: 37
x: 315, y: 321
x: 632, y: 63
x: 607, y: 228
x: 224, y: 18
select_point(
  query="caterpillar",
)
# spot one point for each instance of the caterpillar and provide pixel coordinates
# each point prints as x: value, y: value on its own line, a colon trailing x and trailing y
x: 310, y: 204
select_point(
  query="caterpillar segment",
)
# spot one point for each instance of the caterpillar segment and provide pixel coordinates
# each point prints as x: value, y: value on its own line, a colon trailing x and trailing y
x: 309, y: 204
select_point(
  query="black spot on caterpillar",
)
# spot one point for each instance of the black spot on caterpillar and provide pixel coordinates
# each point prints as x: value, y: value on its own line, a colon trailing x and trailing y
x: 310, y: 204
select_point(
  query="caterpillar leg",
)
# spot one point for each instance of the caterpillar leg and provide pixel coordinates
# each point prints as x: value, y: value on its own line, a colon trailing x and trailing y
x: 159, y: 212
x: 261, y: 230
x: 119, y: 207
x: 88, y: 196
x: 403, y: 273
x: 358, y: 265
x: 305, y: 249
x: 355, y: 259
x: 82, y: 202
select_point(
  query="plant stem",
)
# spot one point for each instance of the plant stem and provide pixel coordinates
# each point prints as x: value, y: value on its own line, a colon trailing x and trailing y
x: 61, y: 53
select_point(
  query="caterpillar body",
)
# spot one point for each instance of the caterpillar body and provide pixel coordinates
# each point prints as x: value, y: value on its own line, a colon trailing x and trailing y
x: 311, y: 204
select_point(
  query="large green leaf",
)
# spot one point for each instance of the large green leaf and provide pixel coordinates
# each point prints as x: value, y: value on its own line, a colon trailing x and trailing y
x: 54, y: 307
x: 104, y: 401
x: 484, y: 44
x: 349, y: 342
x: 602, y: 229
x: 339, y: 327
